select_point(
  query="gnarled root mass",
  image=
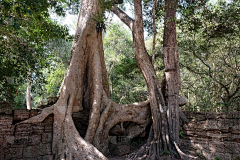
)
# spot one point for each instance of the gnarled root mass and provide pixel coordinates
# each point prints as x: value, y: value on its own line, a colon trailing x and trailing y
x: 85, y: 86
x: 68, y: 144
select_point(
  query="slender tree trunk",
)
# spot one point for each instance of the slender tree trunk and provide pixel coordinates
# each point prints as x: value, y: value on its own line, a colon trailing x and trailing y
x: 162, y: 137
x: 154, y: 31
x: 171, y: 63
x: 160, y: 141
x: 28, y: 92
x: 28, y: 96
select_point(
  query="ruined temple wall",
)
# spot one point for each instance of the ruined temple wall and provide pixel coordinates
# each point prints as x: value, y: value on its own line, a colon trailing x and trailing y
x: 209, y: 134
x: 29, y: 141
x: 213, y: 135
x: 24, y: 141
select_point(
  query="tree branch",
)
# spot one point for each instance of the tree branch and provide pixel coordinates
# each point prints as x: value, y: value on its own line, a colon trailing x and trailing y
x: 211, y: 76
x: 123, y: 16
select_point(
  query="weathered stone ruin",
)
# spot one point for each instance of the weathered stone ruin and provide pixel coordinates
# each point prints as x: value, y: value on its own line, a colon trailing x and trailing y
x: 212, y: 135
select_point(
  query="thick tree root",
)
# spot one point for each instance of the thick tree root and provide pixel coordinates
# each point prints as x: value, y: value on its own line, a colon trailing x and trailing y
x: 76, y: 146
x: 39, y: 118
x: 151, y: 151
x: 183, y: 155
x: 67, y: 143
x: 115, y: 113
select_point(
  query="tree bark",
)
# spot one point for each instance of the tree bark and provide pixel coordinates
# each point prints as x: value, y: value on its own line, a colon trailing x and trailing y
x: 171, y: 63
x: 28, y: 96
x: 28, y: 92
x: 160, y: 141
x: 85, y: 86
x: 162, y: 137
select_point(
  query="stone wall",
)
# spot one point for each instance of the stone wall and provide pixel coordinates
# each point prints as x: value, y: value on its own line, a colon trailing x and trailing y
x: 24, y: 141
x: 213, y: 135
x: 210, y: 134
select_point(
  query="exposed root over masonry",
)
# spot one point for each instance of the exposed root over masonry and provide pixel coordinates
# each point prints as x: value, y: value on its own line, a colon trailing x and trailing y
x: 85, y: 86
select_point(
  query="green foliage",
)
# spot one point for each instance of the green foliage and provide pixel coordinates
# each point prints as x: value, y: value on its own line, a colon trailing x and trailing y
x: 148, y: 14
x: 25, y: 31
x: 54, y: 80
x: 134, y: 142
x: 208, y: 39
x: 181, y: 133
x: 20, y: 100
x: 125, y: 80
x: 166, y: 152
x: 100, y: 25
x: 217, y: 158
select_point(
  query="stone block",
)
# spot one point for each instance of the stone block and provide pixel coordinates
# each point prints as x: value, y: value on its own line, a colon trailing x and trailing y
x: 225, y: 115
x: 5, y: 108
x: 200, y: 145
x: 236, y: 138
x: 34, y: 139
x: 47, y: 137
x: 211, y: 115
x: 47, y: 157
x: 21, y: 114
x: 216, y: 147
x: 236, y: 157
x: 189, y: 126
x: 210, y: 124
x: 227, y: 156
x: 200, y: 117
x: 48, y: 124
x: 38, y: 128
x: 189, y: 133
x: 10, y: 139
x: 48, y: 120
x: 45, y: 149
x: 20, y: 141
x: 225, y: 124
x: 48, y: 128
x: 231, y: 147
x: 213, y: 156
x: 201, y: 133
x: 185, y: 142
x: 236, y: 115
x: 123, y: 150
x: 3, y: 143
x: 6, y: 130
x: 216, y: 135
x: 189, y: 114
x: 14, y: 153
x: 202, y: 139
x: 33, y: 113
x: 31, y: 151
x: 2, y: 155
x: 236, y: 125
x: 24, y: 129
x: 6, y: 119
x: 200, y: 126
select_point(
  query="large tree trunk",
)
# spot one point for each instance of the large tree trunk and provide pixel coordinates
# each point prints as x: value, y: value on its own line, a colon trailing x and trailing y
x: 171, y: 65
x: 163, y: 138
x: 85, y: 87
x: 84, y: 78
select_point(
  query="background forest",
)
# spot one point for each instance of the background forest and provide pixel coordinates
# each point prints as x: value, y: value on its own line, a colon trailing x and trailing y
x: 35, y: 50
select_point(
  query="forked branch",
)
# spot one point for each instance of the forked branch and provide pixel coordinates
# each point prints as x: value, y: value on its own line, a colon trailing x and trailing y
x: 123, y: 16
